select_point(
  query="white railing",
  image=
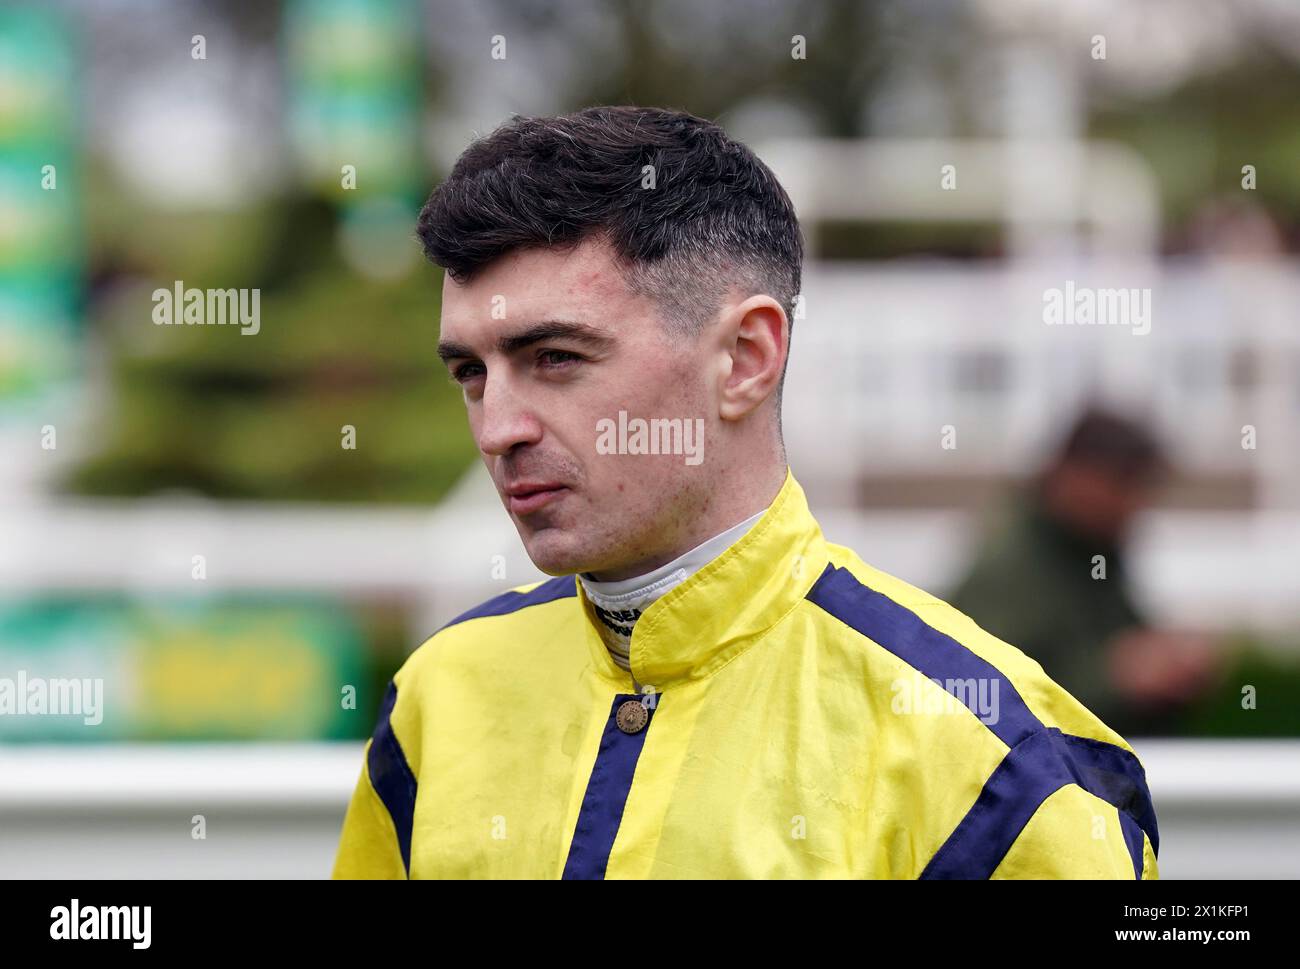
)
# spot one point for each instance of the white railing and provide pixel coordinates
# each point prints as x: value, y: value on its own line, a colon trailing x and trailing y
x: 887, y: 357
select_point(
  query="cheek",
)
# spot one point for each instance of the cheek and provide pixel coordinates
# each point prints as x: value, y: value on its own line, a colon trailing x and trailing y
x: 666, y: 384
x: 658, y: 383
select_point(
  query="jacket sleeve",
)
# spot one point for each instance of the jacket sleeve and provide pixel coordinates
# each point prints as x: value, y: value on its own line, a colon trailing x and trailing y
x: 368, y: 847
x: 1076, y: 835
x: 377, y: 830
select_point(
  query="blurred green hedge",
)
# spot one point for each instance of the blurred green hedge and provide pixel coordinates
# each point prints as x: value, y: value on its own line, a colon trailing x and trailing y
x: 260, y: 416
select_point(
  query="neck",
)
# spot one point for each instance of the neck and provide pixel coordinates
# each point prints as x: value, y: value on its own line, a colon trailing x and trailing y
x: 726, y: 508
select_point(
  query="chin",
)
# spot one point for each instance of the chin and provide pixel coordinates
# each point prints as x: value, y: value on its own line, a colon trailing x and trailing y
x: 554, y: 556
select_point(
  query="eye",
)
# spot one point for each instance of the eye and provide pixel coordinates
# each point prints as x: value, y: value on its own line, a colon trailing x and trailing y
x: 557, y: 359
x: 466, y: 371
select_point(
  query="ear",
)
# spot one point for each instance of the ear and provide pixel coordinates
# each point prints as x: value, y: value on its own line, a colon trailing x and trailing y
x: 757, y: 339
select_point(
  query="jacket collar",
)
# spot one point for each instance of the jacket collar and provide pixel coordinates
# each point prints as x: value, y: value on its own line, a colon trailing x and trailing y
x: 699, y: 626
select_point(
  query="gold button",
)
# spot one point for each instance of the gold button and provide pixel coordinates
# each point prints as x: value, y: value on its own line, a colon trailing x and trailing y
x: 631, y: 716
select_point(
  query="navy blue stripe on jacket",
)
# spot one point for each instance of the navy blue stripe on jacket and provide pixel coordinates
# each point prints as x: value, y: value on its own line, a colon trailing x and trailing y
x: 607, y: 790
x: 560, y: 587
x: 391, y: 776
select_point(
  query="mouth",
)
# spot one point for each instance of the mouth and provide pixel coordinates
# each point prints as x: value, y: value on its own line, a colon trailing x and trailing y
x: 524, y: 499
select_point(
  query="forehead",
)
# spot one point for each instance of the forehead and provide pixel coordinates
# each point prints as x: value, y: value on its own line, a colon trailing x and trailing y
x: 582, y: 284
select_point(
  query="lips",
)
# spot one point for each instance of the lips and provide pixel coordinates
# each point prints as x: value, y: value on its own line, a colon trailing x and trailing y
x: 527, y: 497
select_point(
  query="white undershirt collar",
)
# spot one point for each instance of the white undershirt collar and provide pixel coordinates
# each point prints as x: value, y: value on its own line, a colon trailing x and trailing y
x: 619, y: 604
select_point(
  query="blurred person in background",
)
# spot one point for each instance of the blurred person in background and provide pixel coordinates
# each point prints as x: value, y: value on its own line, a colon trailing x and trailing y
x: 1053, y: 578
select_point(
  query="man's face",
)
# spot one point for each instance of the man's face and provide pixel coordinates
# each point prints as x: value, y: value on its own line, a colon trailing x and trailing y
x: 1097, y: 501
x: 546, y: 344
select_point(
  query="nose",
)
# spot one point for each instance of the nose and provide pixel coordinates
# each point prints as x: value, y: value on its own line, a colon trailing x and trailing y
x: 506, y: 420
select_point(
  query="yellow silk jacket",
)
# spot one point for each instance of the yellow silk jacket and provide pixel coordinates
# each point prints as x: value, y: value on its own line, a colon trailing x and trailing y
x: 801, y: 715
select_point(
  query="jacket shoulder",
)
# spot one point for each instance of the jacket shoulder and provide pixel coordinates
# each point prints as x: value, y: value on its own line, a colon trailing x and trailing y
x: 944, y: 643
x: 1049, y: 740
x: 522, y: 603
x: 521, y: 597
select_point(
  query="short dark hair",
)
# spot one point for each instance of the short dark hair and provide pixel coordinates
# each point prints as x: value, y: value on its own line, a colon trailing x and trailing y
x: 716, y: 216
x: 1118, y: 445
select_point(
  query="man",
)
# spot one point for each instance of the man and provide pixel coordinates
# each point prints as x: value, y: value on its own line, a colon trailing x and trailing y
x: 1052, y: 578
x: 708, y: 688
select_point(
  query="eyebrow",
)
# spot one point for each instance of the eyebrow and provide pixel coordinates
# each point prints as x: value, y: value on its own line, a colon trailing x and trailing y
x: 545, y: 330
